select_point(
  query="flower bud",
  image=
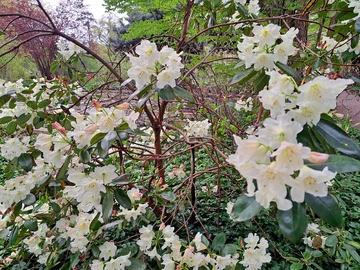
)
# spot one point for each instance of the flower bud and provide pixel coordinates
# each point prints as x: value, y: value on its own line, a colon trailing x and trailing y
x: 59, y: 128
x: 91, y: 129
x: 162, y: 226
x: 96, y: 104
x: 124, y: 106
x: 318, y: 158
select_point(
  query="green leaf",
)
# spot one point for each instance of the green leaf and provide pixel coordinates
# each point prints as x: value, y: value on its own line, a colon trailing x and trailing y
x: 125, y: 251
x: 23, y: 118
x: 354, y: 244
x: 55, y: 207
x: 5, y: 119
x: 121, y: 179
x: 289, y: 71
x: 326, y: 208
x: 357, y: 26
x: 293, y: 222
x: 4, y: 99
x: 243, y: 76
x: 32, y: 104
x: 331, y: 241
x: 75, y: 259
x: 122, y: 198
x: 337, y: 163
x: 107, y: 205
x: 25, y: 161
x: 11, y: 127
x: 97, y: 138
x: 354, y: 42
x: 337, y: 138
x: 229, y: 249
x: 145, y: 98
x: 169, y: 196
x: 139, y: 132
x: 63, y: 168
x: 95, y: 223
x: 261, y: 81
x: 296, y: 266
x: 108, y: 140
x: 182, y: 93
x: 245, y: 208
x: 219, y: 241
x: 102, y: 153
x: 54, y: 66
x: 136, y: 264
x: 29, y: 199
x: 352, y: 252
x: 66, y: 266
x: 31, y: 225
x: 13, y: 235
x: 85, y: 156
x: 166, y: 93
x: 44, y: 103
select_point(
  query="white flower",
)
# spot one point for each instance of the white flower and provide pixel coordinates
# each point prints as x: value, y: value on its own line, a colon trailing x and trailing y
x: 197, y: 241
x: 283, y: 50
x: 134, y: 194
x: 290, y: 157
x: 250, y: 149
x: 280, y: 83
x: 245, y: 105
x: 97, y: 265
x: 198, y: 128
x: 140, y: 74
x: 273, y: 101
x: 264, y: 60
x: 266, y: 35
x: 254, y: 7
x: 167, y: 77
x: 312, y: 182
x: 279, y: 130
x: 107, y: 250
x: 251, y: 240
x: 119, y: 263
x: 312, y: 227
x: 106, y: 174
x: 148, y: 51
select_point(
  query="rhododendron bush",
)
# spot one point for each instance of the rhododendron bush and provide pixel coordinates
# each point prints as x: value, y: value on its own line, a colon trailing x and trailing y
x: 98, y: 185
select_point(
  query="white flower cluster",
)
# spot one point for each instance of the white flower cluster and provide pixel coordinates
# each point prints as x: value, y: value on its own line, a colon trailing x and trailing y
x: 38, y: 242
x: 255, y: 254
x: 165, y: 65
x: 198, y: 128
x: 246, y: 105
x: 174, y: 257
x: 307, y: 102
x: 87, y: 188
x: 67, y: 49
x: 76, y: 228
x: 16, y: 189
x: 312, y: 233
x: 262, y: 49
x: 108, y: 250
x: 253, y: 7
x: 179, y: 172
x: 273, y: 156
x: 101, y: 120
x: 330, y: 44
x: 14, y: 147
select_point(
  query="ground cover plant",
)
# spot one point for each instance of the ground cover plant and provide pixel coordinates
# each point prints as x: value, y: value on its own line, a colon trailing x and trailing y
x: 211, y: 144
